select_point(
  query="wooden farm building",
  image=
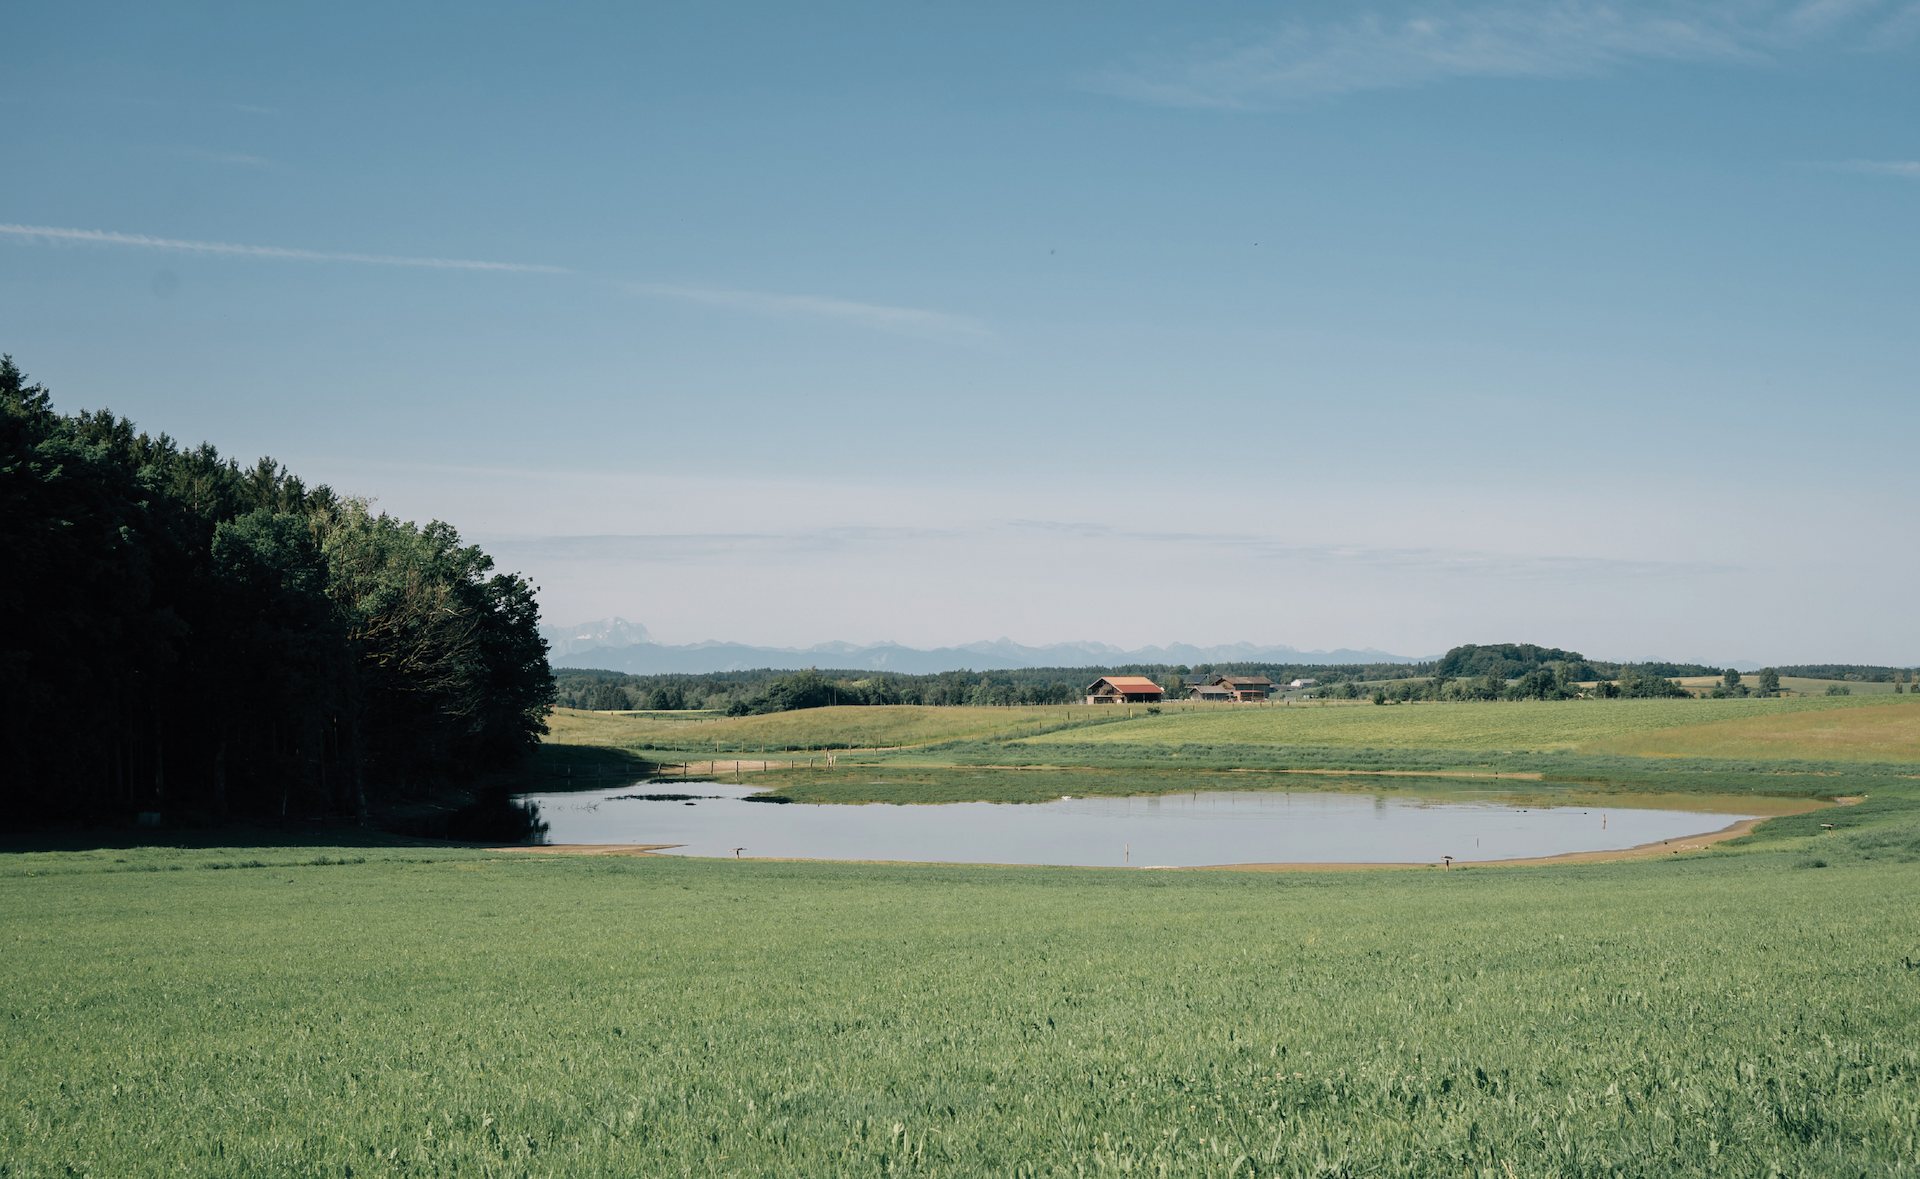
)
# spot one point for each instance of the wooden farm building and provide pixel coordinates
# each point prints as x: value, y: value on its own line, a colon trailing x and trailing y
x: 1208, y: 692
x: 1124, y: 689
x: 1246, y: 687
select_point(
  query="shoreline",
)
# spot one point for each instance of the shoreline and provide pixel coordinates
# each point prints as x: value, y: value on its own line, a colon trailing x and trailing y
x: 1640, y: 851
x: 1507, y: 787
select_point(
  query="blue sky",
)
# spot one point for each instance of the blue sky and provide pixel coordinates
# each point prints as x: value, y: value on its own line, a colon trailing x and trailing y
x: 1326, y: 324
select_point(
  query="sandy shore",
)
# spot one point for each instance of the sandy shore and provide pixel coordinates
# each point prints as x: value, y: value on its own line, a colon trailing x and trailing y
x: 587, y: 849
x: 1644, y: 851
x: 1678, y: 845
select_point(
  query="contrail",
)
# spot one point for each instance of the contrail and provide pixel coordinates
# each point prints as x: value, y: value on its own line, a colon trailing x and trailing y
x: 108, y: 237
x: 912, y: 320
x: 877, y: 316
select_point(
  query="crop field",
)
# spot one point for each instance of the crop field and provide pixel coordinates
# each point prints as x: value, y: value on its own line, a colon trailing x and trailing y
x: 1804, y: 685
x: 1873, y: 730
x: 386, y: 1011
x: 818, y: 728
x: 1536, y: 726
x: 1529, y: 726
x: 1809, y: 747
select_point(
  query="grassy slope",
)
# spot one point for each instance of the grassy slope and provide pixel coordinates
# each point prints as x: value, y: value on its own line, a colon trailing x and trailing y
x: 818, y: 728
x: 1805, y: 685
x: 1717, y: 1016
x: 1874, y: 730
x: 1819, y: 746
x: 1529, y: 726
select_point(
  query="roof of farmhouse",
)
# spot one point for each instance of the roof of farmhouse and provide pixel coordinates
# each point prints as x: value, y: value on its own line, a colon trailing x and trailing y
x: 1129, y: 683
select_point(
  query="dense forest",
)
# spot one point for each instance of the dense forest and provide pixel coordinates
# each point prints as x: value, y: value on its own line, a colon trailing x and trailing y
x: 191, y: 637
x: 1859, y: 673
x: 1514, y: 660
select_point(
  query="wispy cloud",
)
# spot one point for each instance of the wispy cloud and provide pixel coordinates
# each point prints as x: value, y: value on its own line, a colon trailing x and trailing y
x: 108, y: 237
x: 1569, y: 38
x: 879, y: 316
x: 886, y: 317
x: 234, y: 159
x: 1819, y: 15
x: 1899, y: 30
x: 1908, y: 169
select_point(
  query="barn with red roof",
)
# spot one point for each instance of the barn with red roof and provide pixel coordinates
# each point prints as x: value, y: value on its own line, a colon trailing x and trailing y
x: 1124, y: 689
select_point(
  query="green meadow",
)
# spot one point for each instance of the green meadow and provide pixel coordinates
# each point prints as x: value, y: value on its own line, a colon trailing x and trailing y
x: 1800, y: 747
x: 378, y: 1008
x: 813, y: 729
x: 386, y: 1011
x: 1523, y: 726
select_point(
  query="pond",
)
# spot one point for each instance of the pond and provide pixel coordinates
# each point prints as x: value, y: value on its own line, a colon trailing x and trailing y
x: 1177, y: 830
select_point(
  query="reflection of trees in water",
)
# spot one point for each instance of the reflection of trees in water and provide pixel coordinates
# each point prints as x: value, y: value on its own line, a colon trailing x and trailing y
x: 497, y: 816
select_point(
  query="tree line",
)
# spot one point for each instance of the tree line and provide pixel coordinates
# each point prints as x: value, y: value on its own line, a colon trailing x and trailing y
x: 758, y: 690
x: 1901, y: 678
x: 193, y: 637
x: 776, y: 690
x: 1504, y: 671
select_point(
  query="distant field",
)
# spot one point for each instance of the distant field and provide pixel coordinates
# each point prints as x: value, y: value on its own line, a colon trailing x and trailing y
x: 1814, y: 746
x: 814, y: 728
x: 1874, y: 730
x: 1794, y: 683
x: 1530, y: 726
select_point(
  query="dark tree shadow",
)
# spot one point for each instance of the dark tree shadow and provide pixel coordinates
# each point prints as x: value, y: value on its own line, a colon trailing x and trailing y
x: 554, y: 768
x: 483, y: 815
x: 292, y: 834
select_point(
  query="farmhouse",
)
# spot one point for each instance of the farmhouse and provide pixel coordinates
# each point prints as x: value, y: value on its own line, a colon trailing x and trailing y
x: 1124, y: 689
x: 1246, y: 687
x: 1208, y: 692
x: 1303, y: 683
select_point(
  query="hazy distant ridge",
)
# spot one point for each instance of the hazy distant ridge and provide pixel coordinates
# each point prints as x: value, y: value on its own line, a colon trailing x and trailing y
x: 618, y: 645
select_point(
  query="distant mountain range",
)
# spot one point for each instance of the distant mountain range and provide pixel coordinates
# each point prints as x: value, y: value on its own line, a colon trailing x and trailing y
x: 615, y: 644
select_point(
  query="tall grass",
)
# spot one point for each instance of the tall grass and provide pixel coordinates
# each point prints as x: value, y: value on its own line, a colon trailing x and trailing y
x: 1735, y: 1016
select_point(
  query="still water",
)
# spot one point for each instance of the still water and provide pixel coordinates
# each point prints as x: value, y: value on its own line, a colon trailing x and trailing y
x: 1177, y: 830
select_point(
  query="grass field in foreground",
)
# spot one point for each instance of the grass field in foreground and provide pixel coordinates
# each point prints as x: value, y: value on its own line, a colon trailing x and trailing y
x: 435, y: 1014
